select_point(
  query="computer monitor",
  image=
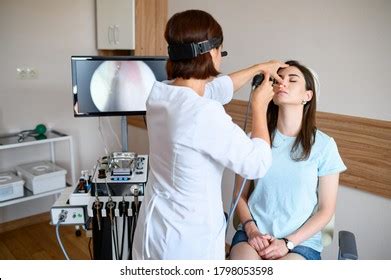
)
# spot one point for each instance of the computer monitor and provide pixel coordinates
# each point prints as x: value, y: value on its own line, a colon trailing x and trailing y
x: 114, y: 85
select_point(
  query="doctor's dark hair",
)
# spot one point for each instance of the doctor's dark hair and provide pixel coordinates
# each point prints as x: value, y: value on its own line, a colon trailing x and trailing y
x: 192, y: 26
x: 302, y: 146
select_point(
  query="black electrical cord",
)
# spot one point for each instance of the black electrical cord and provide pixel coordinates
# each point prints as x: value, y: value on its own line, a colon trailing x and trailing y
x: 112, y: 225
x: 130, y: 240
x: 116, y: 238
x: 123, y: 237
x: 257, y: 80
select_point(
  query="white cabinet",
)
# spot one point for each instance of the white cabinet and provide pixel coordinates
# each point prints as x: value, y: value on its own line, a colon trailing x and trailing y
x: 115, y: 24
x: 52, y: 137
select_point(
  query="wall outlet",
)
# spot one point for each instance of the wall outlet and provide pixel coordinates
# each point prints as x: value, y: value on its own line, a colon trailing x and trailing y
x: 21, y: 73
x: 27, y: 73
x: 32, y: 73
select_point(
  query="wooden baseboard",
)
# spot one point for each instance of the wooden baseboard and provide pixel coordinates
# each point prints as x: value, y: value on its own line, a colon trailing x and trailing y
x: 20, y: 223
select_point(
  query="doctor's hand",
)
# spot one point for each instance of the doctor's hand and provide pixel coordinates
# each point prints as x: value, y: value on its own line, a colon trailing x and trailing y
x: 263, y: 94
x: 257, y: 240
x: 277, y: 249
x: 271, y: 67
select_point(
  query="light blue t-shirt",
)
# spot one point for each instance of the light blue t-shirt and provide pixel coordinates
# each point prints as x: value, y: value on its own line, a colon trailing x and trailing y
x: 286, y: 196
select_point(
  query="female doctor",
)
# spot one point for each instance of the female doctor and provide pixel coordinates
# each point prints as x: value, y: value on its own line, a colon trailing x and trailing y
x: 192, y: 140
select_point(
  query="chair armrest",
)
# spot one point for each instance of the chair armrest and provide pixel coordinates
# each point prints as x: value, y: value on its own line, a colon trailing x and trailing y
x: 347, y: 246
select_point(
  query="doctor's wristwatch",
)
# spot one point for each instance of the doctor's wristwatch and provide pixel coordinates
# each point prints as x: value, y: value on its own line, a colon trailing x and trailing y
x: 289, y: 244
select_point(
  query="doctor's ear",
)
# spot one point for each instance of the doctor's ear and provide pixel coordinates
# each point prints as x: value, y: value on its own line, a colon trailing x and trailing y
x: 214, y: 52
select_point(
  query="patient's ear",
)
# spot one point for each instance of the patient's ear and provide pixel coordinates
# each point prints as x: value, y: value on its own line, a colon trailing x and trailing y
x: 308, y: 94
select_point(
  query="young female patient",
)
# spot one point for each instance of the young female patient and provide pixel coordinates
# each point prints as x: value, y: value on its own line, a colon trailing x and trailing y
x: 283, y: 216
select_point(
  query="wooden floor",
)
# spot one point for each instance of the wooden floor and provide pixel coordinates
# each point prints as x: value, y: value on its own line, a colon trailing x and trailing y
x: 38, y: 242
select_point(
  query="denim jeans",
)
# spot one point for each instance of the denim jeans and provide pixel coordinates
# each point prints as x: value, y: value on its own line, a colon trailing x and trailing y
x: 306, y: 252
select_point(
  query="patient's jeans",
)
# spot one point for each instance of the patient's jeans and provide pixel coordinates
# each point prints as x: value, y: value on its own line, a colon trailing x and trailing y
x: 307, y: 252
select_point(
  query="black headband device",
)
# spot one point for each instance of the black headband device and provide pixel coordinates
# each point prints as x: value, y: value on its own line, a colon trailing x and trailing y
x: 191, y: 50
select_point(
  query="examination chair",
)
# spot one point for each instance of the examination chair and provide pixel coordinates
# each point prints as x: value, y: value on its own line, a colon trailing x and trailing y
x: 346, y: 239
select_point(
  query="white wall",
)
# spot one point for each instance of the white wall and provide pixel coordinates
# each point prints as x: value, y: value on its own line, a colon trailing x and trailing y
x: 348, y: 43
x: 44, y: 34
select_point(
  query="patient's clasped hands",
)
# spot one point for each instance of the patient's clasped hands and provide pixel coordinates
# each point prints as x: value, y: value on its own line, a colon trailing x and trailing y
x: 268, y: 247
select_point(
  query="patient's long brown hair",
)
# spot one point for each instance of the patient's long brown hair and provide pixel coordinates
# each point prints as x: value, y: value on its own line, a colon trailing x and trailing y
x: 301, y: 148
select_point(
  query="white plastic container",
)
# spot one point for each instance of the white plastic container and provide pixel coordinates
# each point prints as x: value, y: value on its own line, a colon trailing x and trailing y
x: 42, y: 176
x: 11, y: 186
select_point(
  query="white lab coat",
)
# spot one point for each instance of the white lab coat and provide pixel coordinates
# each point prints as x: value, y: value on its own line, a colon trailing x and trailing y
x: 191, y: 141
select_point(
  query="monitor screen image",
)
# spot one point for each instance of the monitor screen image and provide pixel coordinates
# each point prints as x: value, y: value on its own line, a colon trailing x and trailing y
x: 113, y: 86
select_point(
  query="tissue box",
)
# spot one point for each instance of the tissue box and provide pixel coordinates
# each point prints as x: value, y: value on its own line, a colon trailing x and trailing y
x: 42, y: 176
